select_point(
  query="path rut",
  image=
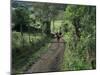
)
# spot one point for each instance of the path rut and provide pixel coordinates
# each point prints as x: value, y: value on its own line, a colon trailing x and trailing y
x: 51, y: 60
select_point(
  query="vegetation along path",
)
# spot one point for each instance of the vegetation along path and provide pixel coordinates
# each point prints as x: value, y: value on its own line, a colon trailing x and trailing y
x: 51, y: 60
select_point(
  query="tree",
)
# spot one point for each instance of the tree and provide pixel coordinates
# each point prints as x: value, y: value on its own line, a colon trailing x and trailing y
x: 47, y: 12
x: 21, y: 20
x: 83, y: 23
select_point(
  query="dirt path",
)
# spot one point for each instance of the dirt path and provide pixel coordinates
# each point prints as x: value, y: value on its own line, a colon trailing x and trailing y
x: 50, y: 61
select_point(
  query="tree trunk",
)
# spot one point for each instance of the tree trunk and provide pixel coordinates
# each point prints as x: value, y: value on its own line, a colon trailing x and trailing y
x: 46, y: 25
x: 29, y: 33
x: 76, y: 25
x: 21, y: 30
x: 53, y: 25
x: 48, y: 30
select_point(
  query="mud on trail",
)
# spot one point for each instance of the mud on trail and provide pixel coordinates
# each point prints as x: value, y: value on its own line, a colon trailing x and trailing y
x: 51, y: 60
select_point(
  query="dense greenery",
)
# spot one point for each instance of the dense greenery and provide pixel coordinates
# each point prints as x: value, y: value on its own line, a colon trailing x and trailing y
x: 34, y: 23
x: 31, y: 31
x: 80, y: 37
x: 25, y: 56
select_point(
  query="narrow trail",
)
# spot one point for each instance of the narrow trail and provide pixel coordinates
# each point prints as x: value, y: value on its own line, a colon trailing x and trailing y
x: 51, y: 60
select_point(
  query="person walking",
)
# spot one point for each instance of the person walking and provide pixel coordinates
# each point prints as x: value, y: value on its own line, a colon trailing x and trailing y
x: 58, y: 35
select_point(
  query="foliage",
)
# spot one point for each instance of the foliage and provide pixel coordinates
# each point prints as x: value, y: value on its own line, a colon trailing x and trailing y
x: 80, y: 37
x: 21, y: 18
x: 76, y: 22
x: 25, y: 56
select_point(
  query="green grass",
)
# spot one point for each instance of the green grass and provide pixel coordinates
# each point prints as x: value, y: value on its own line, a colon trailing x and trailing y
x: 57, y: 25
x: 73, y: 60
x: 17, y: 38
x: 27, y: 55
x: 33, y: 58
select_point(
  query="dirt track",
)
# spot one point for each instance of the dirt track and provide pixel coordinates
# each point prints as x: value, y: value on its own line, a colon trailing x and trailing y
x: 51, y: 60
